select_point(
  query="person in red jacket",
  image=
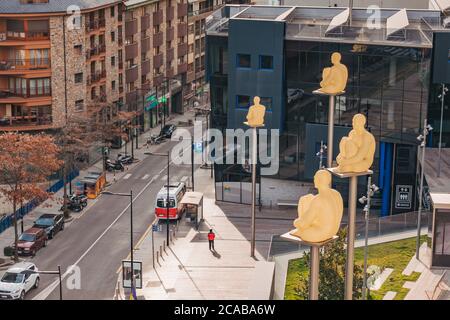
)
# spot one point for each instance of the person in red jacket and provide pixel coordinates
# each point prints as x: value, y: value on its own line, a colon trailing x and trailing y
x: 211, y: 237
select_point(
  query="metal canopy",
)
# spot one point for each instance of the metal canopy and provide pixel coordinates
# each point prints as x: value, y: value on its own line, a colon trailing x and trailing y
x: 339, y: 20
x: 193, y: 198
x: 440, y: 200
x: 397, y: 22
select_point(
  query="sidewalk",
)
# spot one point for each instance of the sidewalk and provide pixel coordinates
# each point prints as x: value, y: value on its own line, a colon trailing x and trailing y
x: 188, y: 269
x: 54, y: 204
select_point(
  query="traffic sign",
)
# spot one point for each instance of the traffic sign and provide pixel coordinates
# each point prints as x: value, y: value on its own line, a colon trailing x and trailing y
x: 403, y: 199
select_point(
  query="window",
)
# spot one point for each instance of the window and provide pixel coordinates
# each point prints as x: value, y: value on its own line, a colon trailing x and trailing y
x: 243, y: 61
x: 267, y: 102
x: 78, y: 48
x: 243, y: 102
x: 79, y: 77
x: 113, y: 61
x: 266, y: 62
x: 113, y: 12
x: 113, y: 85
x: 113, y: 36
x: 79, y: 105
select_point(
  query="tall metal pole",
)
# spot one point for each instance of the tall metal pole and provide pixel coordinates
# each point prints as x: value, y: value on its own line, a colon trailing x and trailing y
x: 131, y: 237
x: 192, y: 164
x: 254, y: 159
x: 60, y: 283
x: 153, y: 248
x: 350, y: 238
x: 366, y: 236
x: 330, y: 131
x: 168, y: 195
x: 423, y: 145
x: 314, y: 274
x: 444, y: 91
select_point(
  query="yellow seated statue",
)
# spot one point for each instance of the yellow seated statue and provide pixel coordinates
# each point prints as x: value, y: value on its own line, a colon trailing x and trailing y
x: 256, y: 113
x: 356, y: 151
x: 319, y: 216
x: 334, y: 79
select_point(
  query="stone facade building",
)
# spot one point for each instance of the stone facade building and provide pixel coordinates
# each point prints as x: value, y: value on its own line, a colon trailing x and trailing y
x: 61, y: 57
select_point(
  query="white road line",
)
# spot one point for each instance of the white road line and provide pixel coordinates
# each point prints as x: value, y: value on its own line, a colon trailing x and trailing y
x: 184, y: 178
x: 49, y: 289
x: 127, y: 176
x: 155, y: 177
x: 145, y: 177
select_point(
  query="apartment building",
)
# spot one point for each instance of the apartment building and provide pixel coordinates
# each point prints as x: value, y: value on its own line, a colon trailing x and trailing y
x: 61, y: 57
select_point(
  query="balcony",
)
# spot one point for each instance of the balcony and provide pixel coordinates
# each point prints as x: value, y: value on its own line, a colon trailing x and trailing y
x: 199, y: 74
x: 95, y: 51
x: 190, y: 77
x: 145, y: 67
x: 146, y: 44
x: 131, y: 74
x: 203, y: 11
x: 121, y: 65
x: 182, y: 68
x: 170, y: 34
x: 131, y: 27
x: 131, y: 51
x: 145, y: 22
x: 170, y: 54
x: 26, y: 36
x: 182, y: 49
x: 158, y: 60
x: 182, y: 30
x: 8, y: 94
x: 158, y: 39
x: 170, y: 72
x: 100, y: 98
x: 28, y: 122
x: 120, y: 39
x: 131, y: 96
x: 182, y: 10
x: 157, y: 17
x: 170, y: 14
x: 96, y: 77
x: 158, y: 80
x: 24, y: 64
x: 95, y: 25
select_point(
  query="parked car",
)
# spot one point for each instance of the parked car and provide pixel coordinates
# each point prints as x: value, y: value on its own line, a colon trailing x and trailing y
x: 18, y: 280
x: 167, y: 131
x: 31, y: 241
x: 51, y: 223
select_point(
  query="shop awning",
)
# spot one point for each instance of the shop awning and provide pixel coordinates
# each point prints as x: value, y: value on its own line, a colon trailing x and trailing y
x: 397, y: 22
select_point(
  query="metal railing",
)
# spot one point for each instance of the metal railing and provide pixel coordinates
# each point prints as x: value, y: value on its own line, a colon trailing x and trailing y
x: 29, y: 35
x: 42, y: 91
x: 377, y: 227
x: 25, y: 64
x: 95, y: 24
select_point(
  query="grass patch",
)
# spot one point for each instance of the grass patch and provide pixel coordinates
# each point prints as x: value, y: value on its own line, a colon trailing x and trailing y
x: 395, y: 255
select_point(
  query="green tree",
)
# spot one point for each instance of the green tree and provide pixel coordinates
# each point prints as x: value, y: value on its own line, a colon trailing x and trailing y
x: 332, y: 272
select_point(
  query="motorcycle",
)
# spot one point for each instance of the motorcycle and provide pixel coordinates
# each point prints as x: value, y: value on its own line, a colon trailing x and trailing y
x: 75, y: 203
x: 154, y: 139
x: 124, y: 159
x: 114, y: 166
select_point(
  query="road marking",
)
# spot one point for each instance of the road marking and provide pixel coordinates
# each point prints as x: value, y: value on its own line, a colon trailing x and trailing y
x: 184, y: 178
x: 145, y: 177
x: 155, y: 177
x: 127, y: 176
x: 51, y: 287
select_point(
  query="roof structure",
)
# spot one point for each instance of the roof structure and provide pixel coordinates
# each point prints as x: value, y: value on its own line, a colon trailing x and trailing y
x: 53, y: 6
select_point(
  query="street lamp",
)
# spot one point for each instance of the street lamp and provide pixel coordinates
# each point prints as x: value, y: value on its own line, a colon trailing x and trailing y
x: 168, y: 187
x: 371, y: 189
x: 442, y: 97
x: 130, y: 195
x: 423, y: 140
x: 319, y: 154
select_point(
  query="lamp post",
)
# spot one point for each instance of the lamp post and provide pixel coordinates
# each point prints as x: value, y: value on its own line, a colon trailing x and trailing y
x: 442, y: 97
x: 423, y: 141
x: 168, y: 187
x: 371, y: 189
x: 130, y: 195
x: 57, y: 272
x: 319, y: 154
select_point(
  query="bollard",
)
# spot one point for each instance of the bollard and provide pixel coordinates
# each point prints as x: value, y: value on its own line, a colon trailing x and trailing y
x: 157, y: 257
x: 160, y: 251
x: 164, y: 246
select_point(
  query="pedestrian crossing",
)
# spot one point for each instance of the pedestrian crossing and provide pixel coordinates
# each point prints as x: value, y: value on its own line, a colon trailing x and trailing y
x: 163, y: 178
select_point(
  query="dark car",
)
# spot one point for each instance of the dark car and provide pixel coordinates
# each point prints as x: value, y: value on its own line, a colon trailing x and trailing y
x: 51, y: 223
x: 31, y: 241
x: 167, y: 131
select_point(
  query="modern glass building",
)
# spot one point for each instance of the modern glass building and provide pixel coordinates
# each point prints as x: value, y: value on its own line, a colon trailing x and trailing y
x: 279, y: 52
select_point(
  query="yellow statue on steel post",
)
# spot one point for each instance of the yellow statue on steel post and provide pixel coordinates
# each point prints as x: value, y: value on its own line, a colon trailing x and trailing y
x: 256, y: 113
x: 319, y: 216
x: 334, y: 79
x: 356, y: 151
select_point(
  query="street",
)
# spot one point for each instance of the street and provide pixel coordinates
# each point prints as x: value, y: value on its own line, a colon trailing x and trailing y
x: 98, y: 239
